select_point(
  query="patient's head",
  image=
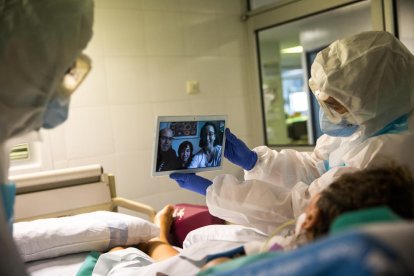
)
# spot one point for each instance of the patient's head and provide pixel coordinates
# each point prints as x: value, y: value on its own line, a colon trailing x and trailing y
x: 390, y: 185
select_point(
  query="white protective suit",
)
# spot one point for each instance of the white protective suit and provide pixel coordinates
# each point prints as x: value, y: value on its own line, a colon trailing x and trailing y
x: 371, y: 74
x: 39, y: 41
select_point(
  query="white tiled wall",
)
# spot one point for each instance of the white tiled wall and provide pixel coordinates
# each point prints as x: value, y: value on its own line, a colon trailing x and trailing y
x: 143, y: 53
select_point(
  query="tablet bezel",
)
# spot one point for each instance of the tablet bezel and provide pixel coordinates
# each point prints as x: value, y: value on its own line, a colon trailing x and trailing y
x: 192, y: 118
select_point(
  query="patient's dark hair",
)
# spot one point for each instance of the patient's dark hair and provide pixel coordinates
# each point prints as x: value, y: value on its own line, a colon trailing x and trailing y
x: 390, y: 185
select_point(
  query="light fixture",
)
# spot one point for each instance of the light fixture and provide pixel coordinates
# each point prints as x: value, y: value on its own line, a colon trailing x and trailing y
x: 292, y: 50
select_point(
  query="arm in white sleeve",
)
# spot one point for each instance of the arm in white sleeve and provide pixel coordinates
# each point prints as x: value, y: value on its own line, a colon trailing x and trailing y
x: 277, y: 189
x: 260, y: 204
x: 286, y: 167
x: 254, y: 203
x: 197, y: 161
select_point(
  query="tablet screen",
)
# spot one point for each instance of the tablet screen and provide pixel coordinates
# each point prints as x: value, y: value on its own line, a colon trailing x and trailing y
x: 188, y: 144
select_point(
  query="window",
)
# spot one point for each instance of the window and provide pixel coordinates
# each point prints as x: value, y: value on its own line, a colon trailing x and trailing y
x: 405, y: 22
x: 285, y: 53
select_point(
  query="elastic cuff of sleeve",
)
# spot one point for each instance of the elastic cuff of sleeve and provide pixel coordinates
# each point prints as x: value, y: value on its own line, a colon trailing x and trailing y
x: 254, y: 160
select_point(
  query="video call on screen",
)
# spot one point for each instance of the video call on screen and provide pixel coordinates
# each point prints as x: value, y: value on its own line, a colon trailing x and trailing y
x: 189, y: 144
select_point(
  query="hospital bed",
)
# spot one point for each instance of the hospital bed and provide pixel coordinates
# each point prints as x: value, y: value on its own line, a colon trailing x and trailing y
x: 62, y: 215
x: 66, y: 193
x: 50, y: 202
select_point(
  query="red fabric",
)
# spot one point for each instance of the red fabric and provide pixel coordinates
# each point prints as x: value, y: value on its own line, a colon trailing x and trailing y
x: 188, y: 217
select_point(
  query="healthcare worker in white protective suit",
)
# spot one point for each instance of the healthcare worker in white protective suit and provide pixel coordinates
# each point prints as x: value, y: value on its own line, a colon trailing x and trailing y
x: 365, y: 86
x: 41, y: 64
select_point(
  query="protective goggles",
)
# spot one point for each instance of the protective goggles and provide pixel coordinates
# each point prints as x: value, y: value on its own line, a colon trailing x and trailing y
x: 75, y: 75
x: 333, y: 116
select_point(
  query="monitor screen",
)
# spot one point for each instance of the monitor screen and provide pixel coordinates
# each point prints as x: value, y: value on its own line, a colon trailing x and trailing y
x: 188, y: 144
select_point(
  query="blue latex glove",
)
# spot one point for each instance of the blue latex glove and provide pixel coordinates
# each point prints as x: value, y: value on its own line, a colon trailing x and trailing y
x: 192, y: 182
x: 238, y: 153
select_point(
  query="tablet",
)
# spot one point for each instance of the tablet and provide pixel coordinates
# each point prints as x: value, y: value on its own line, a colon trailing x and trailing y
x: 188, y: 144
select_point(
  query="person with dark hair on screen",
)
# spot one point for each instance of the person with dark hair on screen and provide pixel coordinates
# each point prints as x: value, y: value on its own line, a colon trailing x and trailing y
x: 185, y: 154
x: 210, y: 153
x: 167, y: 158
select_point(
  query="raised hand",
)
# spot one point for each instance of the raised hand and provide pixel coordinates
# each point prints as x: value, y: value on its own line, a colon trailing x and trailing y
x: 237, y: 152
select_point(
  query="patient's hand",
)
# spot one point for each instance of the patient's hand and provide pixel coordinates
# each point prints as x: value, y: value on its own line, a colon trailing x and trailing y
x: 164, y: 219
x: 116, y: 249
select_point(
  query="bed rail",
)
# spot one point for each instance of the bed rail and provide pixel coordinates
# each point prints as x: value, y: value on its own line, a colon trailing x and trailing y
x: 70, y: 191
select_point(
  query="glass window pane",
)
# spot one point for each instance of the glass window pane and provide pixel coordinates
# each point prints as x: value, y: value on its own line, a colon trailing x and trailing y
x: 285, y: 55
x: 405, y: 12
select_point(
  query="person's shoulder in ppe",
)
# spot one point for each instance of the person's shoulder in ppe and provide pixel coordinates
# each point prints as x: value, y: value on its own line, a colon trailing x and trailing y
x: 326, y: 144
x: 270, y: 163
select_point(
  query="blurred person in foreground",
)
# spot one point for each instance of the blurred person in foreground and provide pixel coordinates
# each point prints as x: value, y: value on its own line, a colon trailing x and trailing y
x: 41, y: 65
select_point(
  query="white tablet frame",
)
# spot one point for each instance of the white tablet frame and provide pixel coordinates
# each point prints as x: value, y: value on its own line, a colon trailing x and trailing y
x: 192, y: 118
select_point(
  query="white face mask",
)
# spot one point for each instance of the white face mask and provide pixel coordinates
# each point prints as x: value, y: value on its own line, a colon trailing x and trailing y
x: 300, y: 237
x: 342, y: 129
x: 299, y: 223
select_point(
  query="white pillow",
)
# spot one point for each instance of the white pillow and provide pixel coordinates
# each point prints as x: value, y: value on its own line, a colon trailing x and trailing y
x: 100, y: 231
x: 235, y: 233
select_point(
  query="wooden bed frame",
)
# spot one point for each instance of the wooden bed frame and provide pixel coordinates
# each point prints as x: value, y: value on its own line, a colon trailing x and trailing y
x: 70, y: 191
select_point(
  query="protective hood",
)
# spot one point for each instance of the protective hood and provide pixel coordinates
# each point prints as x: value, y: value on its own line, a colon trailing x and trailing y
x: 371, y: 74
x: 39, y: 41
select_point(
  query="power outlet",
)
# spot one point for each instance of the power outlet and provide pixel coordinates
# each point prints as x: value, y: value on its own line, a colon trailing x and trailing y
x: 193, y: 87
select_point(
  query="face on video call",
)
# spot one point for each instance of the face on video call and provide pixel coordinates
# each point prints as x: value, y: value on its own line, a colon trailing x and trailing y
x: 166, y: 137
x: 185, y: 153
x: 209, y: 136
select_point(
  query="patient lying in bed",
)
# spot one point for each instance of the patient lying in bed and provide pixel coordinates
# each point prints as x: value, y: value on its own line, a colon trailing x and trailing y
x: 381, y: 194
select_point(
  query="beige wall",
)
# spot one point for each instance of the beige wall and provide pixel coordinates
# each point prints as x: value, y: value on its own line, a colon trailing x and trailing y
x: 143, y: 53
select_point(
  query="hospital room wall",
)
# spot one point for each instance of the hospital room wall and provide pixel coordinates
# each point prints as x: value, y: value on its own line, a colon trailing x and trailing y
x: 143, y: 52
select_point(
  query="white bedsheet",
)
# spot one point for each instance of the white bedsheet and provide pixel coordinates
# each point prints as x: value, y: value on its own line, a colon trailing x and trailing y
x: 131, y: 261
x: 134, y: 262
x: 201, y: 243
x: 65, y: 265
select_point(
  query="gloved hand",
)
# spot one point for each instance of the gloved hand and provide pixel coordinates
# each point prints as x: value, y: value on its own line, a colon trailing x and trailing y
x: 238, y: 153
x: 192, y: 182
